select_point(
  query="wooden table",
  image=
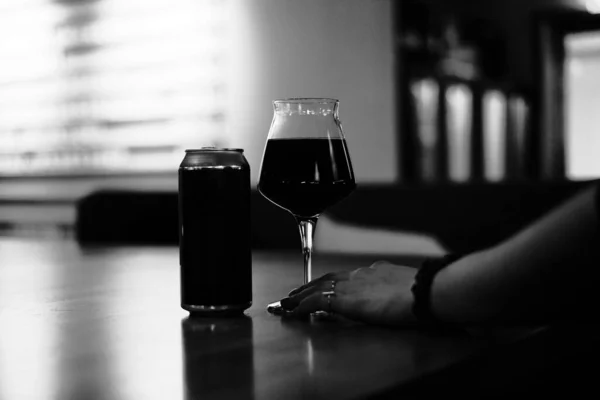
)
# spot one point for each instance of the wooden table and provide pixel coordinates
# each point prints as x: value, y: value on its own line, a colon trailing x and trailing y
x: 105, y: 323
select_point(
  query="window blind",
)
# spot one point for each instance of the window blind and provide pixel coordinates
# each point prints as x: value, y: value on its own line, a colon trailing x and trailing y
x: 110, y: 86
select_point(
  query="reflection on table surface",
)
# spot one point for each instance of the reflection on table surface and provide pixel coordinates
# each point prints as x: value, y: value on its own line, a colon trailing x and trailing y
x: 105, y: 323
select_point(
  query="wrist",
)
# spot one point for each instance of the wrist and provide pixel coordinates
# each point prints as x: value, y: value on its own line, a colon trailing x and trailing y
x: 423, y: 285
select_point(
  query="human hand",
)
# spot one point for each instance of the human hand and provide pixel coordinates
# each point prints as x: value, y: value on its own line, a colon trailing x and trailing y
x: 379, y: 294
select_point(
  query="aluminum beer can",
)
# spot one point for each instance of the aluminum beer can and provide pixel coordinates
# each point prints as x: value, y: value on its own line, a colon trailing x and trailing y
x: 214, y: 231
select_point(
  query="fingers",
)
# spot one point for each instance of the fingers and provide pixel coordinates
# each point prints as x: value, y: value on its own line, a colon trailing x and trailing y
x: 332, y: 276
x: 292, y: 301
x: 318, y: 286
x: 329, y: 276
x: 319, y: 302
x: 339, y: 303
x: 312, y: 303
x: 355, y: 294
x: 309, y: 298
x: 313, y: 291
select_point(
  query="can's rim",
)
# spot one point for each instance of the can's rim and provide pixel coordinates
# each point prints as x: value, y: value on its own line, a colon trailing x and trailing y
x: 214, y: 149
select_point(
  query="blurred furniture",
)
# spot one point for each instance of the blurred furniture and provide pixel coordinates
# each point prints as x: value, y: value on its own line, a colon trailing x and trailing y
x: 46, y: 206
x: 127, y: 217
x: 550, y: 29
x: 462, y: 217
x: 450, y: 62
x: 105, y: 323
x: 143, y: 217
x: 451, y: 55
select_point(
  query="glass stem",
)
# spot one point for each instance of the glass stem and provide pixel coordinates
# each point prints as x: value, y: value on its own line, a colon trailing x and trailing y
x: 307, y: 232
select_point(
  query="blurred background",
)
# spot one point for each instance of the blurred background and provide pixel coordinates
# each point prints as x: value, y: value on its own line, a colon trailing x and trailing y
x: 461, y: 116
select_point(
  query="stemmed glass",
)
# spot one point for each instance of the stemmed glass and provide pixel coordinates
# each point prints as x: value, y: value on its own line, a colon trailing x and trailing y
x: 306, y: 166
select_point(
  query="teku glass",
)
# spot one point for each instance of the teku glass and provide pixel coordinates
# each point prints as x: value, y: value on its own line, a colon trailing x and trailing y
x: 306, y: 165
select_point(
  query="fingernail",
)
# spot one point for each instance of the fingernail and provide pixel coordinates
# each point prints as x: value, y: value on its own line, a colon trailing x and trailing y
x: 286, y: 303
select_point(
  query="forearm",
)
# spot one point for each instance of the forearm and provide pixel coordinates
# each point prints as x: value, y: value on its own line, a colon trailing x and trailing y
x: 526, y: 276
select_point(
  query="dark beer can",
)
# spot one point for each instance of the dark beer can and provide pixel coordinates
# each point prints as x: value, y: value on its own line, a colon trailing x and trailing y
x: 214, y: 231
